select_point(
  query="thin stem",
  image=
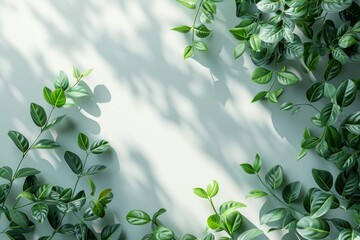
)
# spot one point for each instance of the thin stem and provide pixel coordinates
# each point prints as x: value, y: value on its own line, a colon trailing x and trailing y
x: 194, y: 22
x: 80, y: 174
x: 308, y: 104
x: 213, y: 207
x: 272, y: 192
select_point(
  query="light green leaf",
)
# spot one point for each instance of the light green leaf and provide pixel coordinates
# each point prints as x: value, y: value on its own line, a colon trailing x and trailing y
x: 58, y: 97
x: 97, y: 208
x: 188, y: 3
x: 200, y: 192
x: 93, y: 170
x: 230, y: 206
x: 335, y: 5
x: 313, y: 228
x: 250, y: 234
x: 340, y: 55
x: 202, y: 31
x: 188, y: 52
x: 77, y: 91
x: 214, y: 222
x: 286, y: 106
x: 274, y: 177
x: 292, y: 192
x: 99, y: 146
x: 182, y: 29
x: 257, y: 163
x: 287, y: 78
x: 199, y: 45
x: 239, y: 49
x: 255, y: 42
x: 43, y: 192
x: 329, y: 90
x: 24, y: 172
x: 261, y: 75
x: 212, y: 188
x: 45, y: 144
x: 348, y: 40
x: 271, y: 33
x: 259, y: 96
x: 349, y: 234
x: 256, y: 194
x: 273, y: 215
x: 163, y: 233
x: 267, y: 6
x: 61, y: 81
x: 232, y: 221
x: 138, y: 217
x: 54, y: 122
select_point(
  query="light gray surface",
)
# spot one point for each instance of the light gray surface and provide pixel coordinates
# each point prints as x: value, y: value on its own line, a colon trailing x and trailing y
x: 173, y: 124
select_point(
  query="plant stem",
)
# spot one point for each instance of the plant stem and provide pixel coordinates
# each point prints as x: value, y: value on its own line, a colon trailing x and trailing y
x: 194, y: 22
x: 272, y: 192
x: 213, y: 207
x: 308, y: 104
x: 80, y: 174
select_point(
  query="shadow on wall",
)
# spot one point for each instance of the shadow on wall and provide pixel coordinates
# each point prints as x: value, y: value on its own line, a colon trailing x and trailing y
x: 155, y: 80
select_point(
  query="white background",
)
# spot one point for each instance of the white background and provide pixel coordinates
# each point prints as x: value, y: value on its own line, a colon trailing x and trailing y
x: 173, y: 124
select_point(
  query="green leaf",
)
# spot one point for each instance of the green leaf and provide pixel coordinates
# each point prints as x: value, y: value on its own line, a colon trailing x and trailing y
x: 259, y: 96
x: 321, y: 204
x: 86, y: 73
x: 97, y: 208
x: 92, y: 187
x: 67, y: 229
x: 347, y: 182
x: 54, y: 217
x: 267, y: 6
x: 230, y: 206
x: 292, y: 192
x: 293, y: 49
x: 273, y: 215
x: 329, y: 114
x: 214, y: 222
x: 340, y: 224
x: 13, y: 235
x: 188, y: 237
x: 352, y: 123
x: 257, y: 163
x: 105, y: 196
x: 271, y: 33
x: 287, y: 78
x: 188, y: 3
x: 39, y: 211
x: 19, y: 218
x: 44, y: 191
x: 182, y: 29
x: 302, y: 153
x: 286, y: 106
x: 188, y: 52
x: 333, y: 69
x: 261, y: 75
x: 255, y: 42
x: 81, y: 230
x: 313, y: 228
x: 311, y: 60
x: 347, y: 40
x: 58, y: 98
x: 212, y: 188
x: 200, y: 192
x: 163, y: 233
x: 111, y: 232
x: 340, y: 55
x: 256, y: 194
x: 250, y: 234
x: 209, y: 6
x: 83, y: 141
x: 158, y: 213
x: 45, y: 144
x: 349, y: 234
x: 24, y: 172
x: 93, y: 170
x: 329, y: 90
x: 346, y: 93
x: 315, y: 92
x: 76, y: 72
x: 78, y: 91
x: 199, y: 45
x: 202, y: 31
x: 20, y: 140
x: 61, y: 81
x: 6, y: 173
x: 99, y: 146
x: 310, y: 142
x: 239, y: 33
x: 74, y: 162
x: 335, y: 5
x: 138, y: 217
x: 248, y: 168
x: 47, y: 95
x: 38, y: 114
x: 232, y: 221
x: 54, y: 122
x: 323, y: 179
x: 239, y: 49
x: 274, y: 177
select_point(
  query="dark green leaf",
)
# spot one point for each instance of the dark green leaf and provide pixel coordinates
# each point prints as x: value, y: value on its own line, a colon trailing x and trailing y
x: 58, y: 97
x: 274, y: 177
x: 74, y: 162
x: 271, y: 33
x: 20, y: 140
x: 335, y: 5
x: 323, y: 179
x: 47, y: 95
x: 38, y: 114
x: 347, y: 182
x: 44, y: 191
x: 39, y: 211
x: 346, y: 93
x: 232, y: 221
x: 259, y: 96
x: 315, y: 92
x: 340, y: 224
x: 310, y: 142
x: 321, y: 204
x: 67, y: 229
x: 97, y: 208
x: 93, y: 170
x: 54, y: 122
x: 292, y: 192
x: 332, y: 70
x: 13, y: 235
x: 6, y: 173
x: 19, y: 218
x: 111, y: 232
x: 248, y: 168
x: 202, y: 31
x: 352, y: 123
x: 329, y: 114
x: 349, y: 234
x: 99, y: 146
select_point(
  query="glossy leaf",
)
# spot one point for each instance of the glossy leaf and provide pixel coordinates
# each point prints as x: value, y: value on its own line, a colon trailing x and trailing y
x: 273, y: 215
x: 315, y: 92
x: 61, y: 81
x: 340, y: 55
x: 261, y: 76
x: 257, y: 163
x: 201, y: 46
x: 97, y: 208
x: 239, y: 49
x: 39, y: 211
x: 58, y: 97
x: 274, y: 177
x: 259, y: 96
x: 329, y: 114
x: 182, y: 29
x: 43, y: 191
x: 248, y: 168
x: 212, y: 188
x: 200, y: 192
x: 349, y: 234
x: 94, y: 169
x: 20, y: 140
x: 313, y: 228
x: 163, y: 233
x: 105, y: 196
x: 292, y: 192
x: 46, y: 144
x: 138, y: 217
x: 287, y: 78
x: 323, y: 179
x: 230, y: 206
x: 74, y: 162
x: 250, y: 234
x: 332, y: 70
x: 54, y: 122
x: 321, y: 204
x: 346, y: 93
x: 6, y: 173
x: 352, y: 123
x: 232, y: 221
x: 24, y: 172
x: 77, y: 91
x: 111, y: 232
x: 347, y: 182
x: 38, y: 115
x: 202, y: 31
x: 214, y: 222
x: 99, y: 146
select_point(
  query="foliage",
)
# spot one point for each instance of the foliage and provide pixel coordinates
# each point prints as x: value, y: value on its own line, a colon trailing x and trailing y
x: 67, y: 210
x: 276, y: 33
x: 226, y: 219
